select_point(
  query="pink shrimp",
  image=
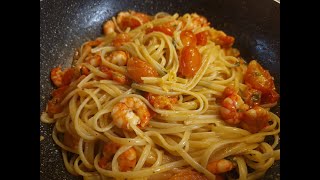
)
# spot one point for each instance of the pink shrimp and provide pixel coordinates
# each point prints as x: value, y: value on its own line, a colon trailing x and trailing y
x: 126, y: 161
x: 119, y: 57
x: 130, y: 109
x: 62, y: 78
x: 220, y: 166
x: 56, y: 76
x: 232, y: 107
x: 108, y: 27
x: 161, y: 102
x: 94, y: 60
x: 255, y: 119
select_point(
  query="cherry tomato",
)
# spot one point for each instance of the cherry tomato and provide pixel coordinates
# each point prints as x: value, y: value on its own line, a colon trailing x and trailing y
x: 258, y: 78
x: 202, y: 38
x: 188, y: 38
x: 138, y: 68
x: 190, y: 61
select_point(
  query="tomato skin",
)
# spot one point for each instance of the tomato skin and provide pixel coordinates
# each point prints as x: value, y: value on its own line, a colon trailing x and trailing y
x: 166, y: 30
x: 258, y: 78
x: 138, y: 68
x: 190, y: 61
x: 202, y: 38
x: 188, y: 38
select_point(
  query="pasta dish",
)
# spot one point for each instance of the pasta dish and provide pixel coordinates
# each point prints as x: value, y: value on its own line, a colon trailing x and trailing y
x: 163, y: 97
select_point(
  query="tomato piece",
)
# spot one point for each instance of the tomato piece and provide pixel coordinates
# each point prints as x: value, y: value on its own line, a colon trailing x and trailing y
x: 202, y: 38
x: 188, y: 38
x: 252, y: 97
x: 258, y: 78
x: 166, y: 30
x: 138, y: 68
x: 190, y: 61
x: 270, y: 97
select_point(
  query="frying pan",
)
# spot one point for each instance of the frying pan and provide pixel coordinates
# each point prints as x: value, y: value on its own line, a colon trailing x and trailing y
x: 65, y: 25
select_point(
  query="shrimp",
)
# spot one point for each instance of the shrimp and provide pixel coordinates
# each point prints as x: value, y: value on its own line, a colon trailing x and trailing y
x: 94, y: 60
x: 130, y: 109
x: 161, y: 102
x: 232, y: 107
x: 131, y: 19
x: 121, y: 39
x: 220, y: 166
x: 119, y: 57
x: 116, y: 76
x: 231, y: 52
x: 126, y: 161
x: 61, y: 78
x: 255, y: 119
x: 220, y: 38
x: 56, y: 76
x: 108, y: 27
x: 188, y: 174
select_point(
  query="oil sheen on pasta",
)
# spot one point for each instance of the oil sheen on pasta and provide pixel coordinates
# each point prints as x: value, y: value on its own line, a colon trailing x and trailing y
x: 163, y: 97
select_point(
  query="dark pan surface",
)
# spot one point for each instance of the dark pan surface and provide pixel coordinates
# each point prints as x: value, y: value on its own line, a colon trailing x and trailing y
x: 65, y: 25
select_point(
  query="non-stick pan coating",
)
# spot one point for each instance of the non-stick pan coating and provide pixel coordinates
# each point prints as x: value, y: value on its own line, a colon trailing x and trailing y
x: 65, y: 25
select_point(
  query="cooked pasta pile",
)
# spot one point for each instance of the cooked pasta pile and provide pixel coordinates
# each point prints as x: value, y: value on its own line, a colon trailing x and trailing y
x: 163, y: 97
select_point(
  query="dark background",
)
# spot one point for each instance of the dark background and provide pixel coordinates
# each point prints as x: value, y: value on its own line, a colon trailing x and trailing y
x: 65, y: 25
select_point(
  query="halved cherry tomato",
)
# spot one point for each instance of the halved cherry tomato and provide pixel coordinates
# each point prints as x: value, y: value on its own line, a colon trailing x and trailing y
x: 138, y: 68
x: 258, y: 78
x: 202, y: 38
x: 190, y: 61
x: 188, y: 38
